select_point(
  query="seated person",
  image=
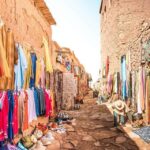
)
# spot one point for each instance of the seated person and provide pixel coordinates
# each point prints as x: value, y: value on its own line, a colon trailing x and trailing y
x: 119, y: 110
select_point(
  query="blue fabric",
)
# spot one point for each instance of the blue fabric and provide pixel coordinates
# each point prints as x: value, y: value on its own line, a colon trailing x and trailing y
x: 68, y: 65
x: 121, y: 119
x: 41, y: 98
x: 20, y: 68
x: 10, y: 115
x: 32, y: 79
x: 3, y: 145
x: 37, y: 103
x: 21, y: 147
x: 124, y: 78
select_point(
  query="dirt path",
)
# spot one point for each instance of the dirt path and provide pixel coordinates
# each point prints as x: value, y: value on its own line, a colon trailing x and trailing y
x: 94, y: 130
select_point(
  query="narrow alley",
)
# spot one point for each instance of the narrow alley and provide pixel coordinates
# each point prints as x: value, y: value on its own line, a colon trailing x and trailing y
x: 74, y: 74
x: 93, y: 129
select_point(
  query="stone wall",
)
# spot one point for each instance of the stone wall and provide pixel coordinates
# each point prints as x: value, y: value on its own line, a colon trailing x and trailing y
x: 26, y: 22
x: 124, y: 25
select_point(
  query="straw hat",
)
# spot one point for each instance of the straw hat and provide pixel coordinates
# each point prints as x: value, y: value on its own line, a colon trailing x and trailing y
x: 119, y: 105
x: 38, y: 134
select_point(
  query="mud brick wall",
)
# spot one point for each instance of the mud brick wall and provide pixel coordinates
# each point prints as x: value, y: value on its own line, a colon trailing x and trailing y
x: 26, y: 21
x: 124, y: 25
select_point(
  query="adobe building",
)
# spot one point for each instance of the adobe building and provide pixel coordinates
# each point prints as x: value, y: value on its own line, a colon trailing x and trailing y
x: 30, y: 21
x: 125, y: 31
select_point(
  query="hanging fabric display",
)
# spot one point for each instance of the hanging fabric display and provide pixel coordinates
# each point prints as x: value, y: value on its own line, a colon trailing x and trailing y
x: 107, y: 66
x: 23, y: 79
x: 124, y: 78
x: 116, y: 82
x: 7, y: 59
x: 20, y: 68
x: 130, y: 85
x: 4, y: 109
x: 133, y: 88
x: 148, y: 96
x: 58, y: 89
x: 10, y: 115
x: 69, y: 91
x: 15, y: 116
x: 47, y: 57
x: 33, y: 71
x: 139, y: 105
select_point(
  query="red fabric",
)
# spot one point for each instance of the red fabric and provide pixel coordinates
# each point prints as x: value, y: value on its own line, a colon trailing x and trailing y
x: 1, y: 72
x: 4, y: 118
x: 15, y: 116
x: 107, y: 66
x: 48, y: 104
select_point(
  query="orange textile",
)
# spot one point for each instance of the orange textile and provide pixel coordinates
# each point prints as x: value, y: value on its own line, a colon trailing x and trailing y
x: 8, y: 57
x: 25, y: 114
x: 12, y: 58
x: 3, y: 61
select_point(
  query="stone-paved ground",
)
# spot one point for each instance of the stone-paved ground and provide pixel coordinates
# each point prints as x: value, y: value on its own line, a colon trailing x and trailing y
x: 93, y: 131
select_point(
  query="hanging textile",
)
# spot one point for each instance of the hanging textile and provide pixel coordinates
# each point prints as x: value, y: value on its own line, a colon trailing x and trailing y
x: 47, y: 80
x: 124, y: 78
x: 12, y: 58
x: 15, y: 115
x: 52, y: 81
x: 37, y: 102
x: 21, y: 109
x: 104, y: 72
x: 76, y: 70
x: 107, y: 66
x: 116, y: 82
x: 4, y: 108
x: 20, y: 68
x: 38, y: 72
x: 130, y: 85
x: 4, y: 68
x: 48, y: 104
x: 41, y: 98
x: 53, y: 102
x: 10, y: 115
x: 33, y: 75
x: 143, y: 85
x: 25, y: 112
x: 139, y: 105
x: 133, y: 88
x: 68, y: 65
x: 47, y: 56
x: 42, y: 74
x: 28, y: 71
x: 69, y: 91
x: 148, y: 96
x: 58, y: 89
x: 31, y: 106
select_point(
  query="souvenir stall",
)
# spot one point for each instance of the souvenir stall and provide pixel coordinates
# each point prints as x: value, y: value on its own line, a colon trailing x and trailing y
x: 77, y: 73
x: 132, y: 84
x: 26, y: 80
x: 58, y: 88
x: 65, y: 83
x: 69, y: 91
